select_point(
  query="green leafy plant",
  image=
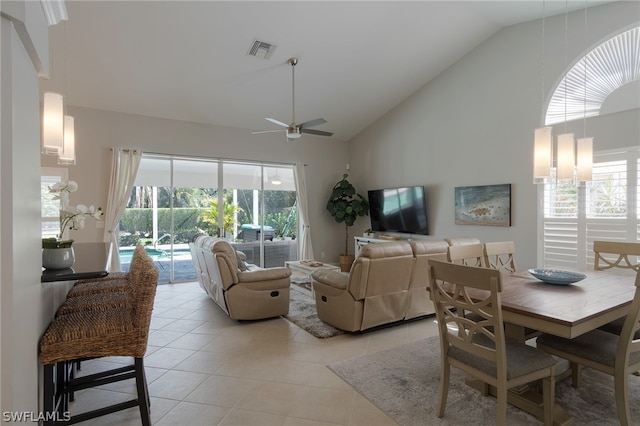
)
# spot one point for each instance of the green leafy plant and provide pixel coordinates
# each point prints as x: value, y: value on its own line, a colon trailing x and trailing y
x: 229, y: 212
x: 345, y: 205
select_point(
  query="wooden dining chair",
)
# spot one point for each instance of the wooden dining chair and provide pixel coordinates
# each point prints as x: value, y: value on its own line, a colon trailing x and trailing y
x: 616, y: 255
x: 500, y: 255
x: 468, y: 255
x: 479, y: 347
x: 616, y: 355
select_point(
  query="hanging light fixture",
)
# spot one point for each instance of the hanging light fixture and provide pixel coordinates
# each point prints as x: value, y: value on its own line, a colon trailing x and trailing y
x: 584, y: 160
x: 276, y: 180
x: 52, y: 123
x: 58, y: 133
x: 68, y: 153
x: 543, y: 136
x: 573, y: 160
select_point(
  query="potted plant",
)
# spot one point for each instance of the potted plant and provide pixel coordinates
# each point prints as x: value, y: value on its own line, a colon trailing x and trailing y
x: 345, y: 205
x: 56, y: 252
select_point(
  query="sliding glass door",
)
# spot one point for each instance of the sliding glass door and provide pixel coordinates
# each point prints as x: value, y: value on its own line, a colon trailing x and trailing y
x: 175, y: 199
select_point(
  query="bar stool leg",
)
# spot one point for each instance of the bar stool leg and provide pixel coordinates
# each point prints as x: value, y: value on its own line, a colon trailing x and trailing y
x: 49, y: 399
x: 143, y: 392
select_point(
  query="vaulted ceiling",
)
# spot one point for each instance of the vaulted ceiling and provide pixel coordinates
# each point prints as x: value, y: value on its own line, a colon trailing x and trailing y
x: 188, y: 60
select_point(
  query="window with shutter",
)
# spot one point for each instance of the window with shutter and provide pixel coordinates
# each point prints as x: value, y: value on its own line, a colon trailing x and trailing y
x: 608, y: 208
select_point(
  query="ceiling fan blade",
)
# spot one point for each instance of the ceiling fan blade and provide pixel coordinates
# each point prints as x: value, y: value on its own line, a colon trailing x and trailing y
x: 312, y: 123
x: 266, y: 131
x: 316, y: 132
x: 279, y: 123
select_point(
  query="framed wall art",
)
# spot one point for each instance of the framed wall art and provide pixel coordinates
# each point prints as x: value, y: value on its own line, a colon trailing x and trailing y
x: 483, y: 205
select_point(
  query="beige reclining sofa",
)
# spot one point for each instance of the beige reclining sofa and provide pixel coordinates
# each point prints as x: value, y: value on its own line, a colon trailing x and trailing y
x: 387, y: 283
x: 243, y: 291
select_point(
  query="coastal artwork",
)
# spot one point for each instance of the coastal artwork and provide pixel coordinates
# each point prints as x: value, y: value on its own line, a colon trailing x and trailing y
x: 483, y: 205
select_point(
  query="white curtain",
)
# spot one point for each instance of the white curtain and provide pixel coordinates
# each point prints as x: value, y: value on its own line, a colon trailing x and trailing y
x: 305, y: 248
x: 124, y: 167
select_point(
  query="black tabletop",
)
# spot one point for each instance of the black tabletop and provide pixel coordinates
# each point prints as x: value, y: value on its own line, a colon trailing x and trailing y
x: 92, y: 261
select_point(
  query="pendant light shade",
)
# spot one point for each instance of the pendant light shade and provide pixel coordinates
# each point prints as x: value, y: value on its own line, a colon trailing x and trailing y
x: 68, y: 153
x: 276, y: 180
x: 566, y: 157
x: 584, y: 160
x: 542, y: 154
x: 52, y: 123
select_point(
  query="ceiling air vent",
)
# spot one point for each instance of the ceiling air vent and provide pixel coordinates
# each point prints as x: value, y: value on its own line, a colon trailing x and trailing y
x: 261, y: 49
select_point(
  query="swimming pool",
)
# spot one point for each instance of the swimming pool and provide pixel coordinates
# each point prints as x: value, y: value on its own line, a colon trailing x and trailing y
x: 155, y: 254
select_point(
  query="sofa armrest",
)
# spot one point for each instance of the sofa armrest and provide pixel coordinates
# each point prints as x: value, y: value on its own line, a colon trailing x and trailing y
x: 331, y: 278
x: 268, y: 274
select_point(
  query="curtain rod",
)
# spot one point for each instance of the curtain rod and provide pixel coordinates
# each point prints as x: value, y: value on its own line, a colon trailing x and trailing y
x: 126, y: 149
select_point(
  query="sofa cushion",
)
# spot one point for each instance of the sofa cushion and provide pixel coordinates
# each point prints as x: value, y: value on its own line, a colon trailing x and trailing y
x: 387, y: 249
x: 462, y: 241
x: 428, y: 247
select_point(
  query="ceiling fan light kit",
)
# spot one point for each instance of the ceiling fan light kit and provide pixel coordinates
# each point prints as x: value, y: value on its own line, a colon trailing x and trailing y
x: 294, y: 131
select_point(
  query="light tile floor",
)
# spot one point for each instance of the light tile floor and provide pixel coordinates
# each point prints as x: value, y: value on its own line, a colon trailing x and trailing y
x: 206, y: 369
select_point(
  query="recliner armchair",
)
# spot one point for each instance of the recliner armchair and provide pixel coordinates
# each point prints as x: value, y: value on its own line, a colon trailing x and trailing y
x: 248, y: 294
x: 375, y: 292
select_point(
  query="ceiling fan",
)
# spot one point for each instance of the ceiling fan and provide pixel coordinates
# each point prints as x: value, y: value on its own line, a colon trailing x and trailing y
x: 294, y: 130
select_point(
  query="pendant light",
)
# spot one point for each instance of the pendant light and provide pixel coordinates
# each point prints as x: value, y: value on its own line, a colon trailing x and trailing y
x: 584, y: 160
x: 52, y: 123
x: 543, y: 136
x: 573, y: 160
x: 565, y: 148
x: 67, y: 155
x: 276, y: 180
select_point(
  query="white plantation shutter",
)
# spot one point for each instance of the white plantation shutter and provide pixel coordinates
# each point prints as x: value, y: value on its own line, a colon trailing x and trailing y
x: 608, y: 208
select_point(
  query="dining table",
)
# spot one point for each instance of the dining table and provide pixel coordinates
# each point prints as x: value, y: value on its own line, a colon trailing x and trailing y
x: 563, y: 310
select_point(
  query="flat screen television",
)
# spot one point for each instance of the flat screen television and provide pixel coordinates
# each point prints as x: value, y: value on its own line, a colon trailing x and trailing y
x: 399, y: 210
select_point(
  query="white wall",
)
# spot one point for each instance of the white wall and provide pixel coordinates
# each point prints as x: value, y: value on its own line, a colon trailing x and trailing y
x: 473, y: 125
x: 26, y: 306
x: 96, y: 131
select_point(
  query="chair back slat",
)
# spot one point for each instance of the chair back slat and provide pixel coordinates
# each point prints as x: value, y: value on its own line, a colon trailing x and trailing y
x: 500, y: 255
x: 468, y: 255
x: 616, y: 255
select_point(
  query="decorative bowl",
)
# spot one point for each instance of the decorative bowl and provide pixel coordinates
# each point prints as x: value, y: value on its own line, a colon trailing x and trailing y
x: 557, y: 277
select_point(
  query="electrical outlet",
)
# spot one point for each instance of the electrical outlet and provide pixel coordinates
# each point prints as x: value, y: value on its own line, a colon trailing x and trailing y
x: 100, y: 224
x: 321, y: 255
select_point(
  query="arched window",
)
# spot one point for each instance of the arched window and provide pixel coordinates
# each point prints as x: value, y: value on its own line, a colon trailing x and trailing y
x: 609, y: 66
x: 608, y: 207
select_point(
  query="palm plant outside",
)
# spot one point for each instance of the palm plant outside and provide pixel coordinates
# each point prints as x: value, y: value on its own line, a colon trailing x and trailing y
x: 229, y: 214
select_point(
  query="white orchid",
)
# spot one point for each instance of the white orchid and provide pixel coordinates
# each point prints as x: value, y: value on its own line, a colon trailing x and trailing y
x: 70, y: 217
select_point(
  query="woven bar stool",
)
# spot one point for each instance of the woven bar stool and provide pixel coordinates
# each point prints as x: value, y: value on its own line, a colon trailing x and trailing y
x: 95, y: 302
x: 94, y: 333
x: 101, y: 285
x: 114, y: 282
x: 104, y: 293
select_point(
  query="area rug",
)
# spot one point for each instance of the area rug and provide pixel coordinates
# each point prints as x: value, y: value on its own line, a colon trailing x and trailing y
x: 404, y: 383
x: 302, y: 312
